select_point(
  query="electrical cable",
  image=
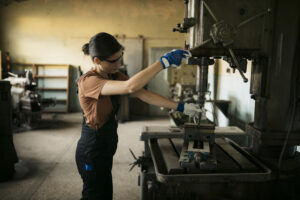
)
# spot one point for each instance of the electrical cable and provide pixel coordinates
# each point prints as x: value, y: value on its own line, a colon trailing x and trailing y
x: 294, y: 106
x: 287, y: 135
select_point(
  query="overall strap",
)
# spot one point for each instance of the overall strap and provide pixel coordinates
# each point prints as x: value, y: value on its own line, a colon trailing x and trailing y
x: 115, y: 99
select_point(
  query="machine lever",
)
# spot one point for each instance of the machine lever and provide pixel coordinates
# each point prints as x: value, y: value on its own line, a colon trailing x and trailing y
x: 203, y: 43
x: 137, y: 161
x: 237, y: 65
x: 132, y: 154
x: 210, y: 11
x: 224, y: 33
x: 254, y: 18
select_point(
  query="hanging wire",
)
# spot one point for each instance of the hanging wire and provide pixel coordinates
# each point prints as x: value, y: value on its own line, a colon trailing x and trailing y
x: 294, y: 85
x: 287, y: 135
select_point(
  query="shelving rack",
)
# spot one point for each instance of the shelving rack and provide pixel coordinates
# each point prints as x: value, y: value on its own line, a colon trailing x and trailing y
x: 53, y: 82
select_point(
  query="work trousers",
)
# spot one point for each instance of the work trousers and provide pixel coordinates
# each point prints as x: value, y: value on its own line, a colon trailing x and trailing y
x: 94, y: 159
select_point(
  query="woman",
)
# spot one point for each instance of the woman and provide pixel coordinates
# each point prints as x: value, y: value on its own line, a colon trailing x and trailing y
x: 98, y: 91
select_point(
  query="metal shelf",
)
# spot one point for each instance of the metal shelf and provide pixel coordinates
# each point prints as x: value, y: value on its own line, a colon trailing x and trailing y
x: 48, y: 77
x: 53, y: 89
x: 45, y: 76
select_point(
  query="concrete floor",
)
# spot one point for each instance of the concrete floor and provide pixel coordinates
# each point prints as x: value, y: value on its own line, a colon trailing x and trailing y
x: 47, y: 168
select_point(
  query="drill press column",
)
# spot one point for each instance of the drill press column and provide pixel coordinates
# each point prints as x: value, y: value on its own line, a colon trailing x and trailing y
x: 202, y: 77
x: 201, y: 85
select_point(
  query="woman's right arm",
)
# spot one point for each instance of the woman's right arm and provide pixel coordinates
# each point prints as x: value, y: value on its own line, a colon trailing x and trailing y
x: 139, y: 80
x: 133, y: 84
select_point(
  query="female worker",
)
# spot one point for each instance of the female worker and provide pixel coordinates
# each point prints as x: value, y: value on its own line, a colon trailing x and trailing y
x: 98, y: 91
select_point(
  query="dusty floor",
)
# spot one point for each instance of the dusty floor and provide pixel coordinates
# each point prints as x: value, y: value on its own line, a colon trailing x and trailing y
x: 47, y: 168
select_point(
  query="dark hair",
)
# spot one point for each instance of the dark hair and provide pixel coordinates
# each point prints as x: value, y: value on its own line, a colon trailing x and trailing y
x: 101, y: 45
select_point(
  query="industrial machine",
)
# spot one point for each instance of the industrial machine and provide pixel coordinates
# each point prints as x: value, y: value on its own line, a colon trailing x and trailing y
x: 7, y: 149
x: 27, y: 104
x: 199, y: 160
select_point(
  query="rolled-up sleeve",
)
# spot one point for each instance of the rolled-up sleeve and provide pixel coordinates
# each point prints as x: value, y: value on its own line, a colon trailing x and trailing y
x: 91, y: 86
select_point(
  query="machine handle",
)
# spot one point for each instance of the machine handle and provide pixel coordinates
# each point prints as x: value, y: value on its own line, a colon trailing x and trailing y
x: 237, y: 65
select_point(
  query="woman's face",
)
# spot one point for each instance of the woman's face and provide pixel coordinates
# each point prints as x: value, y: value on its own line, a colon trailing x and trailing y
x: 112, y: 63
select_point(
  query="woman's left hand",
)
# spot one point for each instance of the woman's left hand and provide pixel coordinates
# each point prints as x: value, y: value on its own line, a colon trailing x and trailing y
x: 189, y: 109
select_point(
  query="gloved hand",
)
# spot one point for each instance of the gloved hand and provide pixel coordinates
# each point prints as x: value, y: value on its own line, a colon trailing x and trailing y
x: 174, y: 58
x: 190, y: 109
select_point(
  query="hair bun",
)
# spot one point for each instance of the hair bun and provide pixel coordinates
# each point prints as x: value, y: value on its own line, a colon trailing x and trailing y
x: 85, y: 49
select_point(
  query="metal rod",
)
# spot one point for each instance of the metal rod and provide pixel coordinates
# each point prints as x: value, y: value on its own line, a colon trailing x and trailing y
x: 210, y: 11
x: 203, y: 43
x: 201, y: 86
x: 253, y: 18
x: 203, y: 78
x: 186, y: 2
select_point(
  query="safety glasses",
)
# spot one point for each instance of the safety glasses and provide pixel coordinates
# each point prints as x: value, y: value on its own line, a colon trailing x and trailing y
x: 115, y: 60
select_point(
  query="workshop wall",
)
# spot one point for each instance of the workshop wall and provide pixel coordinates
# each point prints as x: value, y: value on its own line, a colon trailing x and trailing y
x: 230, y: 86
x: 53, y: 31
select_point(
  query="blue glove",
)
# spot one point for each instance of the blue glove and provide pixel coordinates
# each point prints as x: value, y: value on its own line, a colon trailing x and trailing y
x: 174, y: 58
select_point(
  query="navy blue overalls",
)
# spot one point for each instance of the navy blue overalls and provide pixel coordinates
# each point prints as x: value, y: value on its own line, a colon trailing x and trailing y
x: 94, y: 156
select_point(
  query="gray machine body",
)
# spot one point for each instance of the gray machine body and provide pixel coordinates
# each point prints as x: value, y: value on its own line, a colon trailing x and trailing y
x: 267, y: 33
